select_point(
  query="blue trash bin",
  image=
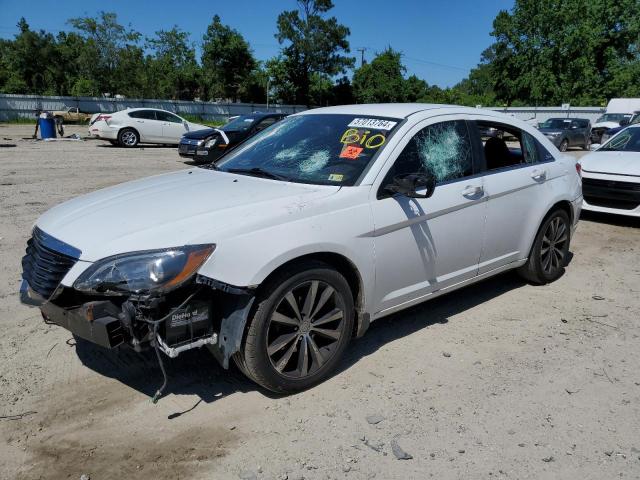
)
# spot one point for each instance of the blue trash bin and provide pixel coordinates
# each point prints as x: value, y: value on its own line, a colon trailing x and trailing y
x: 47, y: 128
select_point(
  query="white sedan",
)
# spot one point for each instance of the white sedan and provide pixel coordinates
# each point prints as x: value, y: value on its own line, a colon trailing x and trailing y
x: 132, y: 126
x: 611, y: 175
x: 280, y: 254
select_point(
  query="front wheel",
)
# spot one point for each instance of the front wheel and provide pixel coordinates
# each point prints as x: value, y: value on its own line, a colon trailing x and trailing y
x: 299, y: 330
x: 564, y: 145
x: 550, y: 250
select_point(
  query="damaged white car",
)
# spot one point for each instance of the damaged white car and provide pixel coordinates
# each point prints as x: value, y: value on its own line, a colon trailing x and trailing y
x: 287, y: 248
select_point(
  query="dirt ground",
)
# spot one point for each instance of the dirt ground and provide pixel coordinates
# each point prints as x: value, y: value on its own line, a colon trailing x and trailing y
x: 499, y: 380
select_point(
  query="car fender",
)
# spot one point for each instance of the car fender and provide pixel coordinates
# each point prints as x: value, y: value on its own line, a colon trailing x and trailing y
x: 247, y: 260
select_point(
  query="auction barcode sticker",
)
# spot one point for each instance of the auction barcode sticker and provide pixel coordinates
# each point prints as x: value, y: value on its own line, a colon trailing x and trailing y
x: 375, y: 123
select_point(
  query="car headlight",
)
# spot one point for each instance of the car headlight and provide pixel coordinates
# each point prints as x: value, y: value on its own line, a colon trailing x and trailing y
x: 144, y: 272
x: 210, y: 143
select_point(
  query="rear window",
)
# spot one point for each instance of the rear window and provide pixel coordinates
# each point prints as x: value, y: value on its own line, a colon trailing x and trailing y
x: 146, y: 114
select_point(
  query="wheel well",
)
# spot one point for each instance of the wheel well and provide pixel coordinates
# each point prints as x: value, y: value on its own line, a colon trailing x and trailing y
x: 343, y: 265
x: 562, y: 205
x: 129, y: 128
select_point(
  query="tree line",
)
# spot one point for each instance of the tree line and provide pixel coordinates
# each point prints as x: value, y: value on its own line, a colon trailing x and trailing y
x: 545, y: 52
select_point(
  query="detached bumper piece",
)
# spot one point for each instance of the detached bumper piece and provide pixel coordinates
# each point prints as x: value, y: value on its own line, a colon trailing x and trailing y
x: 97, y: 322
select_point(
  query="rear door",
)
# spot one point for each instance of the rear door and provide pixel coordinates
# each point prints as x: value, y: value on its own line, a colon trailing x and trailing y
x: 173, y: 127
x: 515, y: 174
x: 145, y: 122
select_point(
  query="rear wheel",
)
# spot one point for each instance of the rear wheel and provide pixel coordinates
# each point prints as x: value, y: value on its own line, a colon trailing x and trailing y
x: 300, y: 329
x: 550, y: 250
x: 128, y: 137
x: 564, y: 145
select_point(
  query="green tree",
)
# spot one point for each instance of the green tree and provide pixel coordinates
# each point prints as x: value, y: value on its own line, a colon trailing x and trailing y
x: 172, y: 70
x: 112, y: 54
x: 31, y: 62
x: 382, y: 80
x: 577, y: 51
x: 227, y: 61
x: 314, y: 47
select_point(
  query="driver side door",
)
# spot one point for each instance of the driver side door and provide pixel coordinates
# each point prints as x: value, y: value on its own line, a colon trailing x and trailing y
x: 423, y: 245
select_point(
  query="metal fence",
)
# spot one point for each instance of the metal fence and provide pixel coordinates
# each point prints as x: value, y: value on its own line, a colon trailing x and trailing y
x: 23, y: 106
x: 16, y: 106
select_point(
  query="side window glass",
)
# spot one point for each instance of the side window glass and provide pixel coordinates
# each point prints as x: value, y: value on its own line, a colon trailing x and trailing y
x: 168, y: 117
x: 530, y: 149
x: 267, y: 122
x: 442, y: 150
x: 146, y: 114
x: 543, y: 153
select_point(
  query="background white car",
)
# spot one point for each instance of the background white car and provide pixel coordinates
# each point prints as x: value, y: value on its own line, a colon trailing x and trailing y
x: 129, y: 127
x: 611, y: 175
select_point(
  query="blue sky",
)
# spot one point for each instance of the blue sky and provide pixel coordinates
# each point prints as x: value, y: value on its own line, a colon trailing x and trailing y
x: 440, y: 40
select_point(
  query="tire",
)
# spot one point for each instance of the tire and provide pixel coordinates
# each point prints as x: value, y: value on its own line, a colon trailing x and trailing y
x: 550, y: 250
x: 128, y: 138
x: 283, y: 351
x: 564, y: 145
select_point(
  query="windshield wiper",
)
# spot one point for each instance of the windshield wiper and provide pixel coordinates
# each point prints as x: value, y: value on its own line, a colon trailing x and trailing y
x: 259, y: 172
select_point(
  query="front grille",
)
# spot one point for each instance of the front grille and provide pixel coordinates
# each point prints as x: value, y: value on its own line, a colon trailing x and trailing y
x: 47, y: 262
x: 611, y: 193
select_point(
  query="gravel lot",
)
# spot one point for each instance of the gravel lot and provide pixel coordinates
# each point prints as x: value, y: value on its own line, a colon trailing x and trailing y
x: 499, y: 380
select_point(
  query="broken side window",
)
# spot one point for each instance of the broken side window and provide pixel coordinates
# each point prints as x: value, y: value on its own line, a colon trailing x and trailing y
x: 442, y: 150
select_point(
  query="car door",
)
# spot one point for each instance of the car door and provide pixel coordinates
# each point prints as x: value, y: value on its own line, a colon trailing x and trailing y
x: 145, y: 122
x: 173, y: 127
x: 424, y: 245
x: 515, y: 173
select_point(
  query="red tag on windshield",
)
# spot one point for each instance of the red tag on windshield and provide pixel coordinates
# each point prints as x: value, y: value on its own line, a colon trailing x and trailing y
x: 351, y: 152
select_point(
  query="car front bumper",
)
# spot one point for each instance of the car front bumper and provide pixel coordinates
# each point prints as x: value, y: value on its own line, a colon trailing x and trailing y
x: 615, y: 194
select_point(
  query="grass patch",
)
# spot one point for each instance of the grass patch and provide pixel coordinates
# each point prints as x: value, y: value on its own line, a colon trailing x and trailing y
x: 20, y: 121
x: 201, y: 121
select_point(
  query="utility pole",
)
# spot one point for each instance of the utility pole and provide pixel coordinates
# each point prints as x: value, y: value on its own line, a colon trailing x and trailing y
x: 268, y: 85
x: 361, y: 50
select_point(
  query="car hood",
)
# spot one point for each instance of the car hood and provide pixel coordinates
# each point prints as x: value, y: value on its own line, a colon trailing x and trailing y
x: 181, y: 208
x: 605, y: 125
x: 615, y: 163
x: 199, y: 134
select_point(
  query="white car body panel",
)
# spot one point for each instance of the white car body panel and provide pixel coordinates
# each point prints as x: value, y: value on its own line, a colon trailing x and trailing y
x: 151, y: 131
x: 404, y: 250
x: 612, y: 166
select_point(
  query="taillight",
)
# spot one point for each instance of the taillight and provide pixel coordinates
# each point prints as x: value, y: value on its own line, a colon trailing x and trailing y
x: 579, y: 169
x: 103, y: 117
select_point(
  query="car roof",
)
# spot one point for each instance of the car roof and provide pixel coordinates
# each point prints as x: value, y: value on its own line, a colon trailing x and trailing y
x: 401, y: 110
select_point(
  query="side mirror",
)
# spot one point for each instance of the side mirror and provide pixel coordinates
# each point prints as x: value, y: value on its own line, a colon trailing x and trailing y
x: 408, y: 185
x: 594, y: 146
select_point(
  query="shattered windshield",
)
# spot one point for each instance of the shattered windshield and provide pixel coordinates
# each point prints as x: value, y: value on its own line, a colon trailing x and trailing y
x: 556, y: 124
x: 325, y: 149
x: 626, y: 141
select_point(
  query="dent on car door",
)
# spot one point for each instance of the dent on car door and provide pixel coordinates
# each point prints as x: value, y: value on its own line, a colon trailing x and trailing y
x: 516, y: 171
x: 424, y: 245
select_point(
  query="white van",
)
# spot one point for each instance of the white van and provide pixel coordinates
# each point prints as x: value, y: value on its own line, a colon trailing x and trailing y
x: 618, y: 113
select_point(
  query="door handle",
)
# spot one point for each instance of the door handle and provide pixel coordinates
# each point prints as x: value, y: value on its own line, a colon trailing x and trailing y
x: 470, y: 191
x: 140, y: 121
x: 539, y: 175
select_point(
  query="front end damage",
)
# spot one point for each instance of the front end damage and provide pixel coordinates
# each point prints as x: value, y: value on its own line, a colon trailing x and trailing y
x: 200, y: 312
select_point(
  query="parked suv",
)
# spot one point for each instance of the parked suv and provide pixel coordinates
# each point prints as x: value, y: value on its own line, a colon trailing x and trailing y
x: 286, y: 249
x: 567, y: 132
